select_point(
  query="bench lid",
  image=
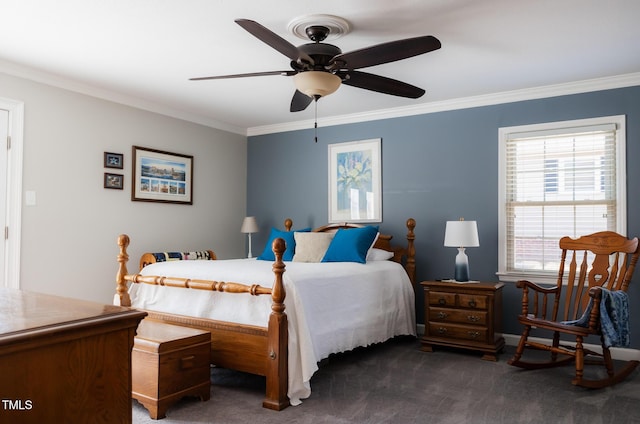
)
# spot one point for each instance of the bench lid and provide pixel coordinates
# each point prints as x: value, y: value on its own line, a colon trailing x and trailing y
x: 159, y: 337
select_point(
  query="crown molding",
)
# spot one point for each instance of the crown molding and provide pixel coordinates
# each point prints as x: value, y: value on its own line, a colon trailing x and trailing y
x: 42, y: 77
x: 576, y: 87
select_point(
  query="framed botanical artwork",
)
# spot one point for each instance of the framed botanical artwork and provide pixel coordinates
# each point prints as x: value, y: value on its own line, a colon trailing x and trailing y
x: 115, y: 181
x: 355, y: 180
x: 160, y: 176
x: 113, y: 160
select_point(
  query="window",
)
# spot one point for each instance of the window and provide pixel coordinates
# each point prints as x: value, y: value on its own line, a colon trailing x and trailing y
x: 557, y: 179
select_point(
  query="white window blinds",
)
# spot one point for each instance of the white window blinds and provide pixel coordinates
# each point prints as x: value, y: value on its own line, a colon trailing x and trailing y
x: 558, y: 182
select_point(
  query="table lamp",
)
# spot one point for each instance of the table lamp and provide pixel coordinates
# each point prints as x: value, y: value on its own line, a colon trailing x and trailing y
x: 461, y: 234
x: 249, y: 226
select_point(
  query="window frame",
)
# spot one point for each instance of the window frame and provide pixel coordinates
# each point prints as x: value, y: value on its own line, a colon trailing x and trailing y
x: 621, y: 186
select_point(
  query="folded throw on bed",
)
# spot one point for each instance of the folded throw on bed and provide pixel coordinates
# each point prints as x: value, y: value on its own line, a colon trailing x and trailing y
x: 181, y: 256
x: 614, y: 318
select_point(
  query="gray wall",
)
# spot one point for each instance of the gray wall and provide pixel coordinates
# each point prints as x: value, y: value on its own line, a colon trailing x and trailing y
x: 69, y: 237
x: 436, y: 167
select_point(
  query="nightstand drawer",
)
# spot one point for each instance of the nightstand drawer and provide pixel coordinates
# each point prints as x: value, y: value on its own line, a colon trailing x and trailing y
x: 457, y: 315
x: 453, y: 331
x: 472, y: 301
x: 442, y: 299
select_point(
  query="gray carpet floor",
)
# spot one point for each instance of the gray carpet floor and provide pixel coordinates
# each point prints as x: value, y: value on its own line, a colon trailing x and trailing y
x: 395, y: 382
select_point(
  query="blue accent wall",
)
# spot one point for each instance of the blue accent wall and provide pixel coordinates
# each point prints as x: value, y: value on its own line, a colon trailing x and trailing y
x: 436, y: 167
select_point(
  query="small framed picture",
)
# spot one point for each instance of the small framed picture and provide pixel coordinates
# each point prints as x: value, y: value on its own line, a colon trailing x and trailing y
x: 114, y: 181
x: 113, y: 160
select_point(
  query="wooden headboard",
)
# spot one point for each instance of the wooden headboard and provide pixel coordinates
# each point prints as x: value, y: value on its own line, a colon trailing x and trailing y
x: 402, y: 255
x: 405, y: 256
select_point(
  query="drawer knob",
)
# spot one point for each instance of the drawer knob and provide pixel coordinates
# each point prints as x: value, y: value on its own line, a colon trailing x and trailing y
x: 442, y: 301
x: 442, y: 315
x: 473, y: 318
x: 473, y: 334
x: 472, y: 303
x: 442, y: 330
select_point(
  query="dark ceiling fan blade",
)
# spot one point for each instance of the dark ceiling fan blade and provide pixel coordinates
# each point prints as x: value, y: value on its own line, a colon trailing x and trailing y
x: 300, y: 101
x: 274, y: 40
x: 382, y: 84
x: 253, y: 74
x: 387, y: 52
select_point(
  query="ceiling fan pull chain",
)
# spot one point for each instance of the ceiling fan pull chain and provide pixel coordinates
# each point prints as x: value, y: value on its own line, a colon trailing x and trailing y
x: 315, y: 124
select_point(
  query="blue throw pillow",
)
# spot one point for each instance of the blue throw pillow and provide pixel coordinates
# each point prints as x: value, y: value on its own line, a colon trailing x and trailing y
x: 267, y: 253
x: 351, y: 245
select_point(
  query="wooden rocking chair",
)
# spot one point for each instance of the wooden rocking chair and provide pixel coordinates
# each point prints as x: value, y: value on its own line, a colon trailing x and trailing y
x: 599, y: 265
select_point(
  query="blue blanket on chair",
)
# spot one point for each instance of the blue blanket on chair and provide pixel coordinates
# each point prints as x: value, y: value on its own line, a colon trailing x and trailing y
x: 614, y: 318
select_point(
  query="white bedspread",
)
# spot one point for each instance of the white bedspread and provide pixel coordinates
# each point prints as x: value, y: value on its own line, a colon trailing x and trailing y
x: 331, y: 307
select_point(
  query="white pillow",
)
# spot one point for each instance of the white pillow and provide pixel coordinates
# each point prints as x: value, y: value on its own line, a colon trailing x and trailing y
x: 311, y: 247
x: 375, y: 254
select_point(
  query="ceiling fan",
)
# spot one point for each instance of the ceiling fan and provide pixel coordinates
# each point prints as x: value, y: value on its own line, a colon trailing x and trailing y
x: 319, y: 68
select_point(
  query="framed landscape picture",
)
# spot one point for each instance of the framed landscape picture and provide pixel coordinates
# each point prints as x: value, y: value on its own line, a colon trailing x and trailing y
x: 160, y: 176
x: 355, y: 179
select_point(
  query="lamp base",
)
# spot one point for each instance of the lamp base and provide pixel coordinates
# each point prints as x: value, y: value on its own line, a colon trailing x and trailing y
x: 461, y: 271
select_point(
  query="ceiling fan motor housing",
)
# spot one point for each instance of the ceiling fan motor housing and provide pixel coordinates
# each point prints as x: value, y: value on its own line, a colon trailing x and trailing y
x: 321, y: 53
x: 317, y: 80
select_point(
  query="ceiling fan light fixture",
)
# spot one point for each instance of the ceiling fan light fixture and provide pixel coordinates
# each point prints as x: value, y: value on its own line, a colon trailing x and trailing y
x: 316, y: 83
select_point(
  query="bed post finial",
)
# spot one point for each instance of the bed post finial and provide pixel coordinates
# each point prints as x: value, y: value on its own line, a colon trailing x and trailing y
x: 278, y: 294
x: 121, y: 297
x: 411, y: 251
x: 277, y: 367
x: 288, y: 223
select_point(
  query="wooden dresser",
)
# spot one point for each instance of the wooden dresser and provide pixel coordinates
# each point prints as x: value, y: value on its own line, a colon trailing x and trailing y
x: 463, y: 315
x: 64, y: 360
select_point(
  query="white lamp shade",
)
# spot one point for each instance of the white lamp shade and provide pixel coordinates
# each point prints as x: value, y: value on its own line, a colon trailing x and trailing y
x: 249, y: 225
x: 316, y: 83
x: 461, y: 234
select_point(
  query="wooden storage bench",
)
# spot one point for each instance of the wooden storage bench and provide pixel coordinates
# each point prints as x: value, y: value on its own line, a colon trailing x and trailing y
x: 168, y: 363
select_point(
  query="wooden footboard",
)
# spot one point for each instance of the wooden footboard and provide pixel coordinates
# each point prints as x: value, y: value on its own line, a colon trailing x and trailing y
x: 257, y: 350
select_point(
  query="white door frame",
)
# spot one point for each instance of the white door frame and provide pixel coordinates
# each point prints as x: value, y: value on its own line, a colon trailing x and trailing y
x: 14, y: 192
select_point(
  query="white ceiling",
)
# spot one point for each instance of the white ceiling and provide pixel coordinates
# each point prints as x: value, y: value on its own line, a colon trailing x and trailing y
x: 142, y: 52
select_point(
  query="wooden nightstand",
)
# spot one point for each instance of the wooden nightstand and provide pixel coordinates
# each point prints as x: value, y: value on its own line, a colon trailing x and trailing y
x: 463, y: 315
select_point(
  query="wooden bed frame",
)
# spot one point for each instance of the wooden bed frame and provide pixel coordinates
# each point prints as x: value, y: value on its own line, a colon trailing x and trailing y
x: 256, y: 350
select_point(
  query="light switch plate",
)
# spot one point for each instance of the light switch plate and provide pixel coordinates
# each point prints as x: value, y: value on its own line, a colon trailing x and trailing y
x: 30, y: 197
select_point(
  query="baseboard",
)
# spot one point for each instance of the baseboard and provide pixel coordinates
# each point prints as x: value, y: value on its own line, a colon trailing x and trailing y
x: 623, y: 354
